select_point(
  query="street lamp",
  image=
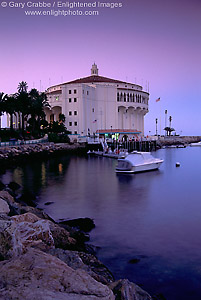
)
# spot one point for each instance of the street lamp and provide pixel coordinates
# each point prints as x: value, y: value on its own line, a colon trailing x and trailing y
x: 156, y: 127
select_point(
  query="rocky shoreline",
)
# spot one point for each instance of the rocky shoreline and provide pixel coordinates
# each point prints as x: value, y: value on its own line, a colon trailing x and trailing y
x: 13, y: 153
x: 41, y: 259
x: 177, y: 140
x: 22, y: 152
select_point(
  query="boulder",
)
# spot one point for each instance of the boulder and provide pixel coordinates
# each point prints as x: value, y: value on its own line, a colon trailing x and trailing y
x: 62, y: 237
x: 38, y: 275
x: 89, y: 263
x: 123, y: 289
x: 2, y: 186
x: 22, y: 232
x: 7, y: 197
x: 14, y: 186
x: 34, y: 210
x: 84, y: 224
x: 4, y: 207
x: 28, y: 199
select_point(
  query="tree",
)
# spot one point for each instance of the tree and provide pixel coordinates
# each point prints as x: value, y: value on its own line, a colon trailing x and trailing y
x: 169, y: 130
x: 62, y: 118
x: 38, y: 101
x: 10, y: 108
x: 2, y: 103
x: 22, y: 87
x: 23, y: 102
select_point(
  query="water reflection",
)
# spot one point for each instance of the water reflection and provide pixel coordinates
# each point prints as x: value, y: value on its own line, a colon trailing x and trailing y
x: 155, y: 216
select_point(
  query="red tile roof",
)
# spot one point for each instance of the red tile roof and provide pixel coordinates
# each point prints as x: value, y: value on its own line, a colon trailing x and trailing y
x: 97, y: 79
x: 54, y: 92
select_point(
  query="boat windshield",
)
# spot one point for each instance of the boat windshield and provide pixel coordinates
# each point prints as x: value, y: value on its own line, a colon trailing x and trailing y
x: 139, y: 158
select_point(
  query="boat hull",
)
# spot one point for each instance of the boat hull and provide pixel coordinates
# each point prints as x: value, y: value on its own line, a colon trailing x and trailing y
x: 136, y: 162
x: 195, y: 144
x: 140, y: 168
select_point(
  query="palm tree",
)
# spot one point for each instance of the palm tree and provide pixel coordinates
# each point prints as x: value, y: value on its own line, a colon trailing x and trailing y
x: 38, y: 101
x: 10, y: 108
x: 62, y: 118
x: 22, y: 87
x: 23, y: 102
x: 2, y: 103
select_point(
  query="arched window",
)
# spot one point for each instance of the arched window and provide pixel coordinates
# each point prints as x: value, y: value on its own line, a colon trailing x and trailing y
x: 124, y: 97
x: 128, y: 97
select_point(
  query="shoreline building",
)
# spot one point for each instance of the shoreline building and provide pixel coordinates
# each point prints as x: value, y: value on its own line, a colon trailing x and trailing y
x: 97, y: 104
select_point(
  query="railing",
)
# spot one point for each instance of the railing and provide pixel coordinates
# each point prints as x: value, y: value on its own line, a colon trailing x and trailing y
x: 19, y: 142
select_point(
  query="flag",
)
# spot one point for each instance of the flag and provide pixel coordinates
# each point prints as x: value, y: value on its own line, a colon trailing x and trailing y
x: 158, y: 99
x: 94, y: 121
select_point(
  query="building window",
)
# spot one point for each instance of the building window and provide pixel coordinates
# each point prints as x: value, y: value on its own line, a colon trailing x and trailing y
x: 75, y: 91
x: 70, y: 123
x: 69, y: 100
x: 87, y: 92
x: 70, y: 113
x: 92, y: 109
x: 75, y: 123
x: 118, y: 97
x: 75, y: 132
x: 75, y: 113
x: 57, y: 98
x: 69, y: 91
x: 124, y: 97
x: 75, y: 99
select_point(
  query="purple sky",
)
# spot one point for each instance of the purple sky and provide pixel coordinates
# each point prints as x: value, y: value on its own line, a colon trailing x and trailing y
x: 147, y: 40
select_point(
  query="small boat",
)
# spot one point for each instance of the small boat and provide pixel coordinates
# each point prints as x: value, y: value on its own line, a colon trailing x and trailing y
x: 138, y: 162
x: 195, y: 144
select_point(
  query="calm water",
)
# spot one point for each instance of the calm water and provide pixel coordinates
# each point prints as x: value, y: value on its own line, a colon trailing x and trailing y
x: 153, y: 216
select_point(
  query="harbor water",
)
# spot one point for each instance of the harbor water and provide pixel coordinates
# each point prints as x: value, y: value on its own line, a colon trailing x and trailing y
x: 148, y: 225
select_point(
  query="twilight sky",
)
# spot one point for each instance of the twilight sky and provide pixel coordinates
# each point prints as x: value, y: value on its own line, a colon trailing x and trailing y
x: 155, y: 41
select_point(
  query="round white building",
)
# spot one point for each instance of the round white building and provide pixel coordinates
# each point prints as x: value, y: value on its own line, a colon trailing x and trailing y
x: 97, y: 104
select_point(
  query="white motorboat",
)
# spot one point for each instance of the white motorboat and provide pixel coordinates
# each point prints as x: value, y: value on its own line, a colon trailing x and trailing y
x: 195, y: 144
x: 138, y: 162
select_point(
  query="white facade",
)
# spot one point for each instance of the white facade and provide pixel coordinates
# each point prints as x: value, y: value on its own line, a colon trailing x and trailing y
x: 99, y: 104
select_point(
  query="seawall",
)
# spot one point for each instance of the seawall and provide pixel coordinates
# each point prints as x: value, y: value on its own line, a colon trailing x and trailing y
x: 177, y: 140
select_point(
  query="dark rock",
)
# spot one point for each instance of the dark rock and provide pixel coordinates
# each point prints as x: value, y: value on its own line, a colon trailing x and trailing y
x: 48, y: 203
x: 2, y: 186
x: 85, y: 224
x: 96, y: 266
x: 89, y: 263
x: 159, y: 297
x: 68, y: 238
x: 14, y: 186
x: 134, y: 261
x: 11, y: 192
x: 123, y: 289
x: 27, y: 198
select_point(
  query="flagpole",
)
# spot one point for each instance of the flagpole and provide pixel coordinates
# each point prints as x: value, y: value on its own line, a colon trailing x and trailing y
x: 160, y: 118
x: 159, y: 100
